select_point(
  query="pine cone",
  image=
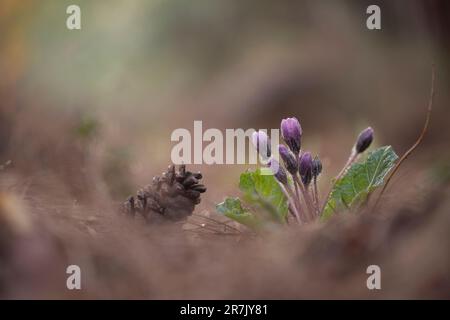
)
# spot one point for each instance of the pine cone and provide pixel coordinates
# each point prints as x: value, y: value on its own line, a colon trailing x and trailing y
x: 172, y: 196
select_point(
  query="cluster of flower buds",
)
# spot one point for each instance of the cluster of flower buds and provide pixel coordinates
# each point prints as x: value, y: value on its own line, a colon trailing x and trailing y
x: 299, y: 165
x: 298, y: 176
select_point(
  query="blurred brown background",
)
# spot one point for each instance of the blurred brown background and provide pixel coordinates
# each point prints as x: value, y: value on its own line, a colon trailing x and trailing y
x: 137, y: 70
x: 86, y: 115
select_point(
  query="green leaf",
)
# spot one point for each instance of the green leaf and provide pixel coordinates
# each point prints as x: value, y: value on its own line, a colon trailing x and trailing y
x: 263, y: 190
x: 361, y: 179
x: 232, y: 209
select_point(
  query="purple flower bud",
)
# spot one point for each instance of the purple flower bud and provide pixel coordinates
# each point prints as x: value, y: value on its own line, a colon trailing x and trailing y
x: 261, y: 142
x: 291, y: 131
x: 305, y: 168
x: 364, y: 140
x: 316, y: 167
x: 289, y: 159
x: 278, y: 171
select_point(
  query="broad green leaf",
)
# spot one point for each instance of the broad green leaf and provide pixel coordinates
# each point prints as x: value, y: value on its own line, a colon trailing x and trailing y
x: 263, y: 190
x: 232, y: 209
x: 361, y: 179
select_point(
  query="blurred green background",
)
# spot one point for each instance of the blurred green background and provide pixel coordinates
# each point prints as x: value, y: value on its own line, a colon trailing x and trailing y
x: 96, y: 106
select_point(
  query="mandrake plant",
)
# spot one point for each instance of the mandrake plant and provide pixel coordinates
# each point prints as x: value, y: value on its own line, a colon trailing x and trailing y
x: 291, y: 192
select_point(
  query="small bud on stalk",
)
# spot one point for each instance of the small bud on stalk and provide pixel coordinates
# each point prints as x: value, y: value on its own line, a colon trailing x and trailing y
x: 261, y: 142
x: 289, y: 159
x: 364, y: 140
x: 278, y: 171
x: 291, y: 131
x: 316, y: 167
x: 316, y: 170
x: 305, y: 168
x: 362, y: 143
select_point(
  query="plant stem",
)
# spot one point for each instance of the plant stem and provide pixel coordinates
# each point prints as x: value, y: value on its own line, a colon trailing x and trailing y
x: 316, y: 197
x: 353, y: 157
x: 297, y: 194
x: 416, y: 144
x: 296, y: 201
x: 306, y: 196
x: 297, y: 198
x: 350, y: 161
x: 292, y: 205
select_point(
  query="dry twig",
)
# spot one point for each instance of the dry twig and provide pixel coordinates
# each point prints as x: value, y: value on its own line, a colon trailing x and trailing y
x: 418, y: 141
